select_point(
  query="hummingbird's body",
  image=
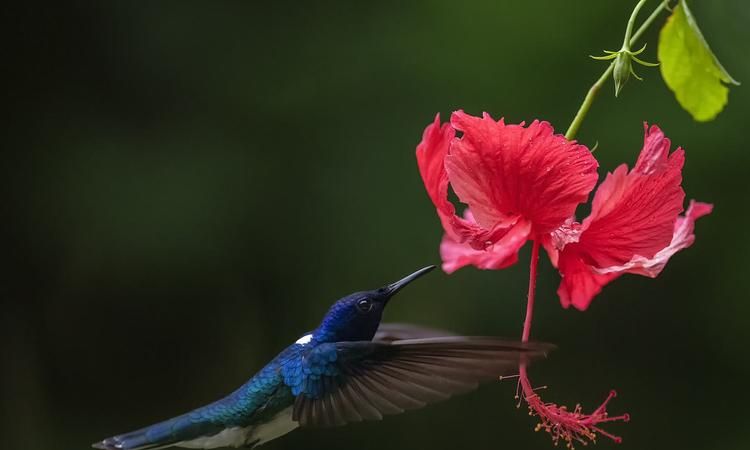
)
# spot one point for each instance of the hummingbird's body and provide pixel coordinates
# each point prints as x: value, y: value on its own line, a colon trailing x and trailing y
x: 351, y: 368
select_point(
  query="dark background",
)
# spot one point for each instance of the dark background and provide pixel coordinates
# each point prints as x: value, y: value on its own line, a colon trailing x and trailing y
x: 190, y: 185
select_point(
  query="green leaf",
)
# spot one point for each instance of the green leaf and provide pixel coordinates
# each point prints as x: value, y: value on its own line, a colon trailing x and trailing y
x: 690, y: 68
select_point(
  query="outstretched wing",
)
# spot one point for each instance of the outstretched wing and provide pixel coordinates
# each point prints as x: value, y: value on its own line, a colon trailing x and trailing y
x: 355, y: 381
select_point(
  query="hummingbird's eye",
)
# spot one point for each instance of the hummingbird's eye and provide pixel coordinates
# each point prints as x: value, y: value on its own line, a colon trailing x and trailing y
x: 364, y: 305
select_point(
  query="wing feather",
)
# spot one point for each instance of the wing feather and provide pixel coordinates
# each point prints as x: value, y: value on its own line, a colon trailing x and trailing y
x: 367, y: 401
x: 378, y: 378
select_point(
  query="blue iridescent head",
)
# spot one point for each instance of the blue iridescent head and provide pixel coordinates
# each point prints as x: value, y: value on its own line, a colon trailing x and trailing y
x: 357, y: 316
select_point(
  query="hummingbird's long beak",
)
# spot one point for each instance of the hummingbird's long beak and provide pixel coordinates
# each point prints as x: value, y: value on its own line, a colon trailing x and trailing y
x: 392, y: 288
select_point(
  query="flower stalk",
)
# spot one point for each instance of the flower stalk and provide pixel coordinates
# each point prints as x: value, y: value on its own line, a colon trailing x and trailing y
x: 533, y: 265
x: 562, y: 424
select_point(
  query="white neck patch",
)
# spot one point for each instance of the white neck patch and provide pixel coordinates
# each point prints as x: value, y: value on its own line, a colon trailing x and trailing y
x: 304, y: 339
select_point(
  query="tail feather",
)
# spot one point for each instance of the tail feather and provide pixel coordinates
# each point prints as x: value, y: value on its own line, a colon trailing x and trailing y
x: 160, y: 435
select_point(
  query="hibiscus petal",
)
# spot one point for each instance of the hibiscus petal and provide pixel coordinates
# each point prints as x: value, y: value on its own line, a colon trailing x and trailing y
x: 682, y: 238
x: 653, y: 156
x: 633, y: 213
x: 580, y: 283
x: 501, y: 254
x: 505, y: 171
x: 431, y: 154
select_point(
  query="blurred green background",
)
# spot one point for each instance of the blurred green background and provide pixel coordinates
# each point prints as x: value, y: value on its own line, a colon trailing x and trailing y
x: 191, y: 184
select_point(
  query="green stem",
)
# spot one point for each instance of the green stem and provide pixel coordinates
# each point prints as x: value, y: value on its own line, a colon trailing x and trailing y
x: 631, y: 22
x: 586, y: 105
x: 575, y: 125
x: 649, y: 20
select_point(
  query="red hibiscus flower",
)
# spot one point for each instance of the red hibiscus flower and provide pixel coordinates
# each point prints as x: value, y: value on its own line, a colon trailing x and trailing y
x: 524, y: 183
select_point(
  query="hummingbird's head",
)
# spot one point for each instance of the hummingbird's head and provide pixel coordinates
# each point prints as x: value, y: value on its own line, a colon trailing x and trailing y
x: 357, y: 316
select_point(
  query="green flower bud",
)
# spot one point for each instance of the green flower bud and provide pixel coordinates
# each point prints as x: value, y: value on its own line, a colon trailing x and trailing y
x: 622, y: 70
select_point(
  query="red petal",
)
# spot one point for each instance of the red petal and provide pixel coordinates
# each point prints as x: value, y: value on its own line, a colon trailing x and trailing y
x: 431, y: 155
x: 683, y: 237
x: 653, y: 156
x: 580, y: 283
x: 501, y: 254
x: 633, y: 213
x: 505, y: 171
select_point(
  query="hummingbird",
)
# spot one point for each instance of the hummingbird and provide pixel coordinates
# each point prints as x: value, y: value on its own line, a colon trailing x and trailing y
x: 351, y: 368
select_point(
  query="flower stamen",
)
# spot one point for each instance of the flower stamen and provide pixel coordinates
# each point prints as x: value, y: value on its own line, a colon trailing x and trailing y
x: 569, y: 426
